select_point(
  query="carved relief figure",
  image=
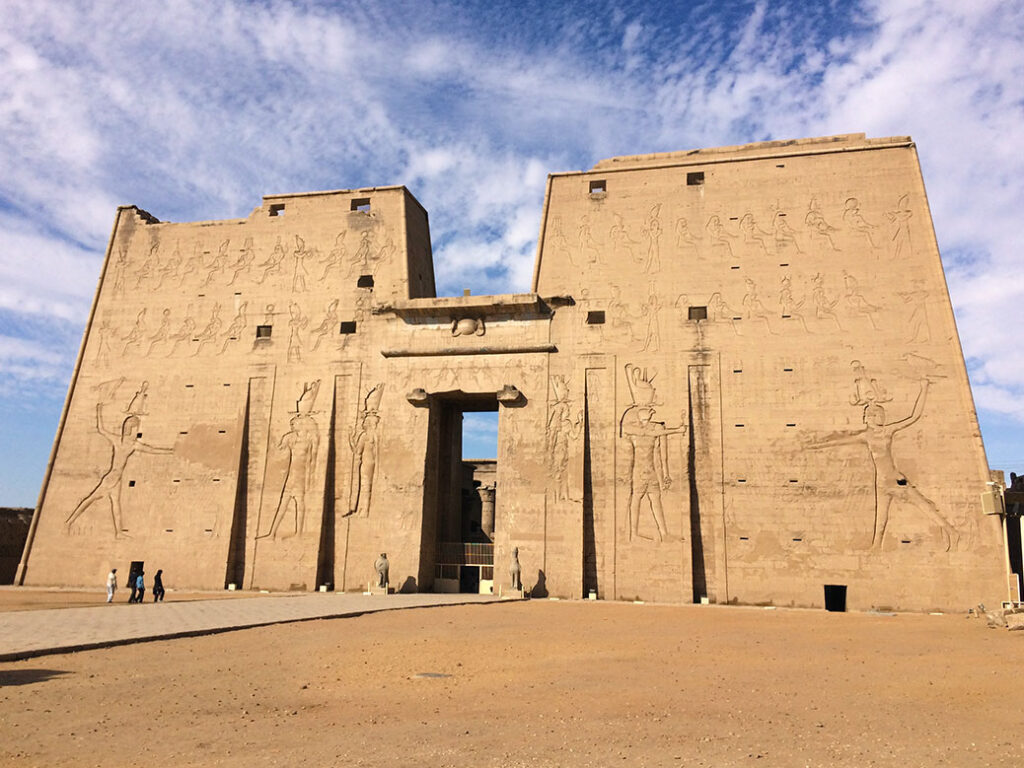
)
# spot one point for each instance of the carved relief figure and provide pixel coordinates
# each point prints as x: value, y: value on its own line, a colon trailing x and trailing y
x: 302, y: 442
x: 211, y: 331
x: 719, y: 311
x: 103, y: 333
x: 327, y: 325
x: 790, y: 306
x: 866, y: 389
x: 855, y: 220
x: 365, y: 444
x: 120, y: 268
x: 149, y: 266
x: 900, y: 220
x: 124, y: 444
x: 296, y: 323
x: 685, y: 241
x: 891, y: 485
x: 387, y: 251
x: 162, y: 333
x: 234, y: 332
x: 336, y: 257
x: 245, y: 260
x: 300, y: 273
x: 824, y: 307
x: 721, y: 248
x: 855, y: 300
x: 753, y: 235
x: 755, y: 309
x: 622, y: 243
x: 219, y: 263
x: 559, y: 242
x: 194, y: 263
x: 562, y: 431
x: 620, y: 315
x: 184, y: 334
x: 274, y: 262
x: 650, y: 310
x: 171, y: 270
x: 649, y: 470
x: 588, y: 248
x: 136, y: 334
x: 785, y: 236
x: 364, y: 253
x: 918, y: 329
x: 819, y: 227
x: 652, y: 231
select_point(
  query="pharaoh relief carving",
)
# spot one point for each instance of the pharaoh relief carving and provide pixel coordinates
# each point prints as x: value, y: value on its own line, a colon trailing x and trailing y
x: 621, y: 318
x: 622, y: 244
x: 649, y: 465
x: 899, y: 219
x: 468, y: 326
x: 362, y: 260
x: 193, y: 265
x: 297, y: 322
x: 103, y: 333
x: 125, y: 442
x: 650, y: 309
x: 918, y: 329
x: 754, y: 308
x: 163, y: 332
x: 301, y: 442
x: 170, y: 271
x: 135, y: 337
x: 562, y: 432
x: 365, y: 444
x: 652, y: 231
x: 824, y: 307
x: 558, y: 243
x: 791, y: 308
x: 821, y: 231
x: 120, y: 271
x: 891, y: 485
x: 855, y: 302
x: 149, y: 266
x: 218, y: 264
x: 300, y: 273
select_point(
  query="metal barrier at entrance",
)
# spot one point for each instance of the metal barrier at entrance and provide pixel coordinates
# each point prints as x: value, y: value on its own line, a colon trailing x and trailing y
x: 462, y: 566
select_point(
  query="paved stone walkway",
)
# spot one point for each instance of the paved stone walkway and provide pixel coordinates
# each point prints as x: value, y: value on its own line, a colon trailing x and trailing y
x: 24, y: 634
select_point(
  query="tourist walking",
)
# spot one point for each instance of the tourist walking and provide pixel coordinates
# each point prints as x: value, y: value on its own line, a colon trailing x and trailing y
x: 140, y: 587
x: 111, y: 584
x: 133, y: 583
x: 158, y: 587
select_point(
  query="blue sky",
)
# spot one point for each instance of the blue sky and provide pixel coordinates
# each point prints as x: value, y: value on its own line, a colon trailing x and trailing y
x: 194, y: 110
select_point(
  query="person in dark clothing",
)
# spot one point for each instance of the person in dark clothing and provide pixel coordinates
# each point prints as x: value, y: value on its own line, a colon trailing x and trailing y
x: 140, y: 585
x: 133, y: 581
x: 158, y: 587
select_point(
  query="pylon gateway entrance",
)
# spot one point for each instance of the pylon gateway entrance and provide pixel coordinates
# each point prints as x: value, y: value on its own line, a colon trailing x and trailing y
x: 735, y: 377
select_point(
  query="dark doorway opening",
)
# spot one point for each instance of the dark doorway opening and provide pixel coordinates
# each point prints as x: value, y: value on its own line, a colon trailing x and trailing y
x: 835, y: 598
x: 459, y: 492
x: 134, y: 571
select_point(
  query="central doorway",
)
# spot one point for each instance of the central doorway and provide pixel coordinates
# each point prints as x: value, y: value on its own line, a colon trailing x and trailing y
x: 460, y: 491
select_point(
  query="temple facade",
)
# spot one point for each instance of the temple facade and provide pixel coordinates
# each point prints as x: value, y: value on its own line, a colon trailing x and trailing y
x: 736, y: 378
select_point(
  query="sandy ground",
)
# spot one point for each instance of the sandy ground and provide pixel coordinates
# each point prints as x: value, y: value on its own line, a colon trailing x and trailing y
x: 36, y: 598
x: 534, y: 684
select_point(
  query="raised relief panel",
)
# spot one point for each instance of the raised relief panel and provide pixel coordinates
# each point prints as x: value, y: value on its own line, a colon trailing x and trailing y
x: 563, y: 430
x: 364, y: 441
x: 821, y: 232
x: 899, y: 222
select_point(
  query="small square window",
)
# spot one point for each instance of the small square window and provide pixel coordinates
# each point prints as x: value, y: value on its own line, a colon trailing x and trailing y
x: 598, y: 187
x: 263, y: 331
x: 277, y: 209
x: 596, y: 317
x: 694, y: 178
x: 365, y: 281
x: 347, y: 326
x: 131, y: 483
x: 698, y: 313
x: 361, y: 204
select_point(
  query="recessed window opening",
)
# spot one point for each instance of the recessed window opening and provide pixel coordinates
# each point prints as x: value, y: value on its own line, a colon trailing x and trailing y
x: 744, y: 538
x: 175, y: 481
x: 782, y: 165
x: 738, y: 317
x: 901, y: 481
x: 598, y: 187
x: 786, y: 317
x: 361, y: 204
x: 735, y: 266
x: 694, y: 178
x: 835, y: 598
x: 138, y: 435
x: 596, y: 317
x: 739, y: 425
x: 189, y: 386
x: 183, y: 433
x: 784, y: 265
x: 737, y: 370
x: 698, y: 313
x: 347, y: 326
x: 788, y: 370
x: 227, y: 385
x: 794, y: 481
x: 277, y: 209
x: 131, y: 483
x: 791, y: 425
x: 168, y: 530
x: 365, y: 281
x: 222, y: 431
x: 741, y: 480
x: 797, y: 539
x: 904, y: 541
x: 264, y: 331
x: 734, y: 218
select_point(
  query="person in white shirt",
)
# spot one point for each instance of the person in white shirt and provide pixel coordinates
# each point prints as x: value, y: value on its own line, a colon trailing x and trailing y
x: 111, y: 584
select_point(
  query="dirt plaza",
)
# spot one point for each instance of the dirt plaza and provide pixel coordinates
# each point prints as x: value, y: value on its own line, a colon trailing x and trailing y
x: 538, y: 683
